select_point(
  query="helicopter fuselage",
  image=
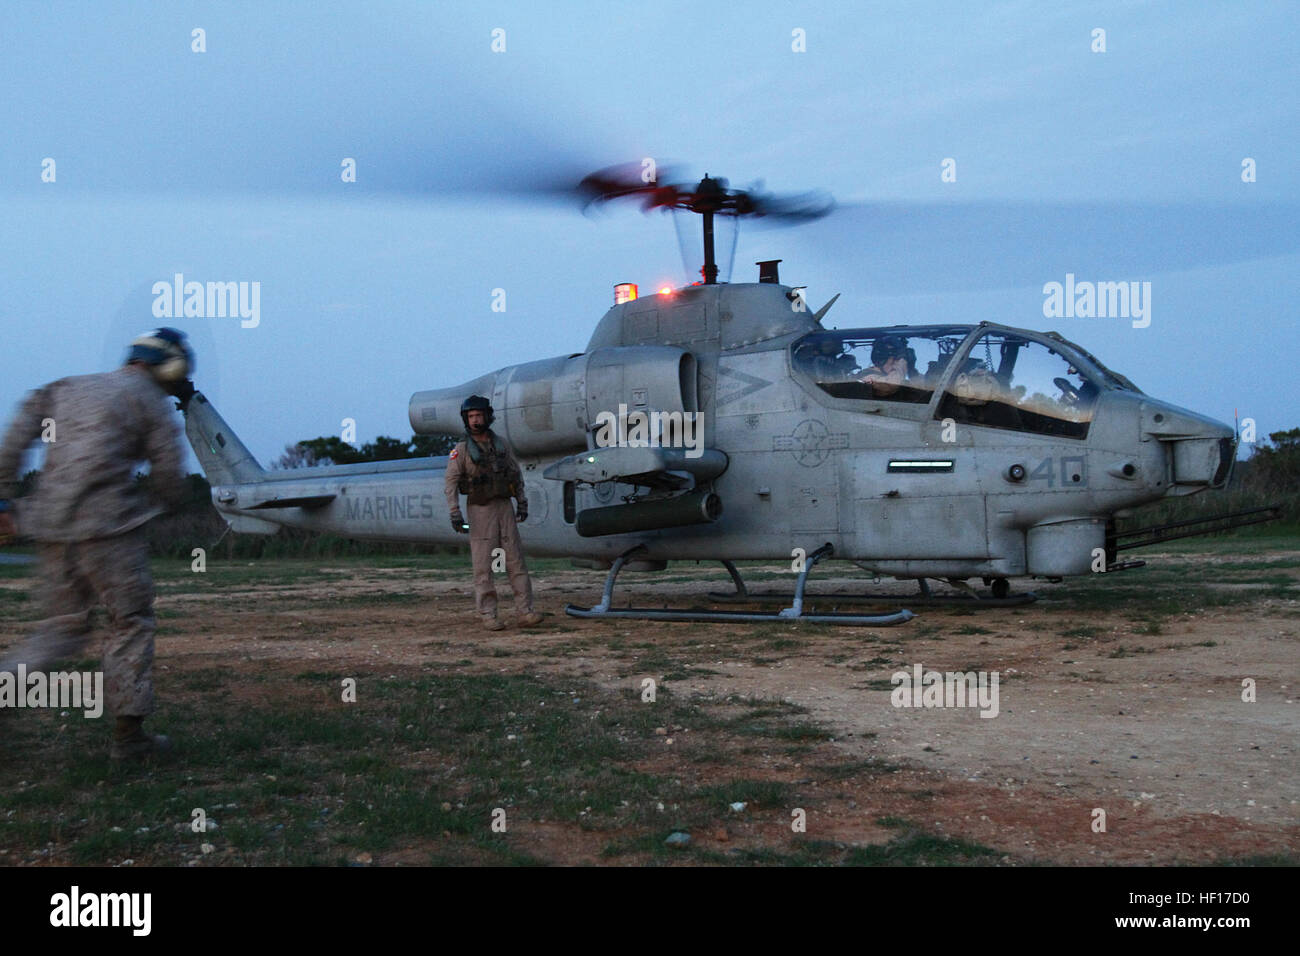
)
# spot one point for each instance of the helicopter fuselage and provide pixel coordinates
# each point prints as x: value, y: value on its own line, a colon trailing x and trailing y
x: 1007, y: 453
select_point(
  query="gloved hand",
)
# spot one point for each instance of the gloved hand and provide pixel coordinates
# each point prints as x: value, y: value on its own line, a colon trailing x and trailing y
x: 521, y: 510
x: 458, y: 523
x: 183, y: 391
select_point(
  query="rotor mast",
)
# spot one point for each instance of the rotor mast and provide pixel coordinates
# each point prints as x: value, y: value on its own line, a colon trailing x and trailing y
x: 709, y: 197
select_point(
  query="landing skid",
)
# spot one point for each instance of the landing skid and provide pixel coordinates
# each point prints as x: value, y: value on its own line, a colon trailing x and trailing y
x: 794, y: 612
x: 925, y: 598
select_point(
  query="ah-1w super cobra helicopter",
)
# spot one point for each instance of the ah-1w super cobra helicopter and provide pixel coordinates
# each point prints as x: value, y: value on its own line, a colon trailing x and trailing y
x: 722, y: 421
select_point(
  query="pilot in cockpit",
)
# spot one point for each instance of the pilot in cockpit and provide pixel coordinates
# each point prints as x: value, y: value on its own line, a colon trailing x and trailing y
x: 826, y: 360
x: 890, y: 366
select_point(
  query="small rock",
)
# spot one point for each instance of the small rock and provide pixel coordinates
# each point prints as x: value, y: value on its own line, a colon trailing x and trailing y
x: 738, y: 807
x: 678, y: 840
x: 661, y: 731
x: 446, y: 808
x: 363, y: 859
x: 206, y: 848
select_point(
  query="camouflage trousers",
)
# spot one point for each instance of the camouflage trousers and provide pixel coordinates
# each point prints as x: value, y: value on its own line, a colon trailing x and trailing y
x: 492, y: 526
x: 73, y: 577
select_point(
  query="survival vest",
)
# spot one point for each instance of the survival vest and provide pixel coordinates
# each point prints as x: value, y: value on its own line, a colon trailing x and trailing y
x: 487, y: 473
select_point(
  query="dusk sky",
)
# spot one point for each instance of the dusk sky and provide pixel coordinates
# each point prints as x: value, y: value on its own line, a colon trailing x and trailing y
x: 225, y: 165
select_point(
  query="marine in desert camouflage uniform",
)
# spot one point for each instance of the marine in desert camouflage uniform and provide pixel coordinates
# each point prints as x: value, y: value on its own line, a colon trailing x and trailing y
x: 483, y: 469
x: 87, y: 517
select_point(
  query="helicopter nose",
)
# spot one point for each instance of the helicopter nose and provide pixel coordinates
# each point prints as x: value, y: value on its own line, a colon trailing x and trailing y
x: 1201, y: 450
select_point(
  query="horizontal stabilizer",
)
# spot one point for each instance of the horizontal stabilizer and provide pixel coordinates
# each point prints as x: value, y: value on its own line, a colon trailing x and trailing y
x: 305, y: 501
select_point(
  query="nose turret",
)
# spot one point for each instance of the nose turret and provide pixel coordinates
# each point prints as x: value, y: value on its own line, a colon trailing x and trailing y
x: 1201, y: 450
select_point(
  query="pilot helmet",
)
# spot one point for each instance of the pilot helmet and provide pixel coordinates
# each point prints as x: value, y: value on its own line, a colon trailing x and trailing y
x: 887, y: 347
x: 477, y: 403
x: 165, y: 353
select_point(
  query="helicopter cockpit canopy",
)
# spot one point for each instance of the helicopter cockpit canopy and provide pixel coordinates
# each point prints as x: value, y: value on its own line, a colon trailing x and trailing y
x: 897, y: 364
x: 997, y: 378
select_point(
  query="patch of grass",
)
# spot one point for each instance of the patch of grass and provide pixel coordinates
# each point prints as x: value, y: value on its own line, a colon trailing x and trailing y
x: 303, y: 784
x: 754, y: 793
x: 880, y: 683
x: 1123, y: 651
x: 1260, y: 859
x: 1090, y: 678
x: 1086, y: 630
x: 923, y: 849
x: 686, y: 673
x: 318, y: 676
x: 846, y: 771
x: 206, y: 679
x: 783, y: 644
x: 797, y: 731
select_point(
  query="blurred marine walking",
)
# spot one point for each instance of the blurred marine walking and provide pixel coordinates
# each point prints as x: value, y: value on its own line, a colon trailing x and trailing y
x: 88, y: 513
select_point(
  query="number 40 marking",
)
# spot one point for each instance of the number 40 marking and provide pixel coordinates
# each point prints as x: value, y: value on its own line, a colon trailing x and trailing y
x: 1073, y: 472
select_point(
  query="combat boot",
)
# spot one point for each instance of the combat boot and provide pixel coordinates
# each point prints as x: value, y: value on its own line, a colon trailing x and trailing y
x: 494, y: 624
x: 529, y: 619
x: 130, y: 742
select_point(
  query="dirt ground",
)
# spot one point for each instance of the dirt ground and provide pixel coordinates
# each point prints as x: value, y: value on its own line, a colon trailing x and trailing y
x: 1149, y: 726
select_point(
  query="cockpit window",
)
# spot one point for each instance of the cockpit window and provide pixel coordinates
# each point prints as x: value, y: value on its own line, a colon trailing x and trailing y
x: 1112, y: 378
x: 1009, y: 381
x: 896, y: 364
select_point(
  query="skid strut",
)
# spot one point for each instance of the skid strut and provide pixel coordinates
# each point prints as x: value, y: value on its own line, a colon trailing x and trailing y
x: 792, y: 613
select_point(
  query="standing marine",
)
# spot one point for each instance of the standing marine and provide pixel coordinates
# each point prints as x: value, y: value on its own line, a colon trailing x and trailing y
x: 482, y: 468
x: 87, y: 518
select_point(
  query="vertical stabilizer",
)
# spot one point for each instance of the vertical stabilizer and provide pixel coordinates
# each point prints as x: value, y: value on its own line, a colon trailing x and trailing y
x: 223, y: 456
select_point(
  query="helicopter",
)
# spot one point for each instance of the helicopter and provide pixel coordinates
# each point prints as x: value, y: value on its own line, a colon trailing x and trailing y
x: 723, y: 421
